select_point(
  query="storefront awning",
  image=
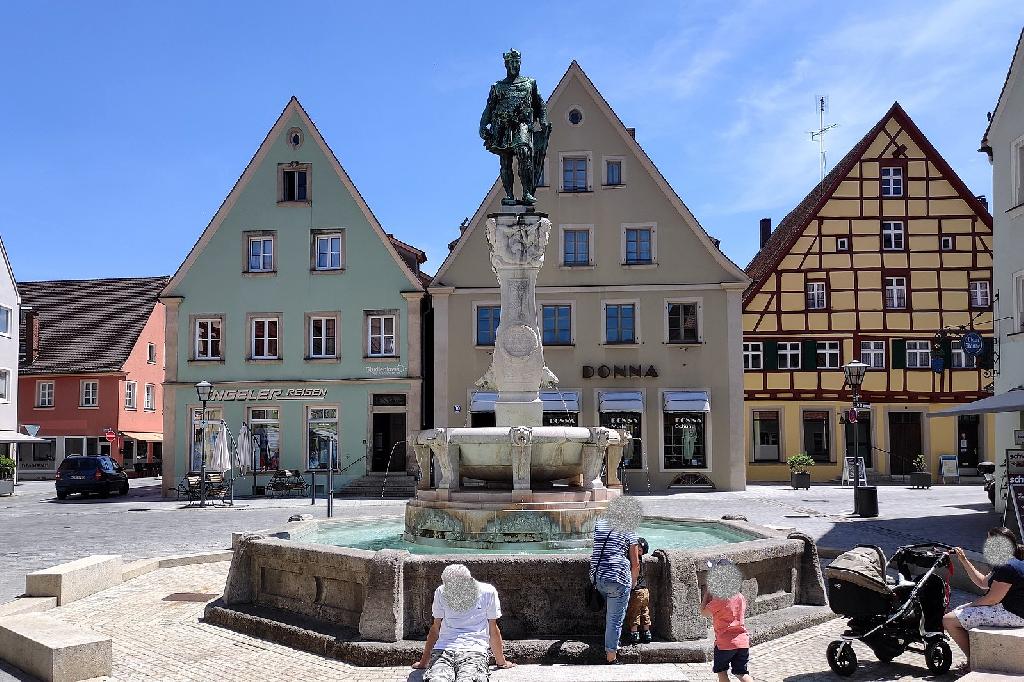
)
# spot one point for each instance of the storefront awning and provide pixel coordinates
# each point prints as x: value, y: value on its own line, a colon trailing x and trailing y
x: 483, y: 402
x: 687, y: 401
x: 1011, y: 401
x: 621, y: 401
x: 145, y: 435
x: 561, y: 401
x: 16, y: 437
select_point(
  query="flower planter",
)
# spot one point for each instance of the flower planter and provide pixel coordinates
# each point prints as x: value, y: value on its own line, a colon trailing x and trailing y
x: 920, y: 479
x: 800, y: 480
x: 6, y: 486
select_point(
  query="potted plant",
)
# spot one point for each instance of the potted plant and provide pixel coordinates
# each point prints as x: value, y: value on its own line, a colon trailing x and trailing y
x: 7, y: 476
x: 920, y: 477
x: 800, y: 470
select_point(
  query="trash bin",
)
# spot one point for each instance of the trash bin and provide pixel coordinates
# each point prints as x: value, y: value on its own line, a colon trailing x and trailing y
x: 867, y: 501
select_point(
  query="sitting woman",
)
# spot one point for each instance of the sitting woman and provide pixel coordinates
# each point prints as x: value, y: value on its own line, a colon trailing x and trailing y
x: 1003, y: 605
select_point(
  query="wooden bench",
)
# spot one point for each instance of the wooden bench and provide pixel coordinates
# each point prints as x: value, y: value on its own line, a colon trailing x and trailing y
x: 216, y: 486
x: 287, y: 482
x: 189, y: 487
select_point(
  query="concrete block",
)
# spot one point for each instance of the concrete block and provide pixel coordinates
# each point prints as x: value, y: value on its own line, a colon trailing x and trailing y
x: 75, y: 579
x: 134, y: 569
x: 978, y: 676
x: 651, y: 672
x: 190, y: 559
x: 52, y: 650
x: 383, y: 617
x: 28, y: 605
x: 998, y: 650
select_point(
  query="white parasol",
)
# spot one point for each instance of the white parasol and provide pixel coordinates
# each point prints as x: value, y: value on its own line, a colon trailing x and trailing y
x: 243, y: 453
x: 220, y: 460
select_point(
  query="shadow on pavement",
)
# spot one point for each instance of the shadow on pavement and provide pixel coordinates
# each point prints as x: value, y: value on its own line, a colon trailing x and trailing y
x: 9, y: 672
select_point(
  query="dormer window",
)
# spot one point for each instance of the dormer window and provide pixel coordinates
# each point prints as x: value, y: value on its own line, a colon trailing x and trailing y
x: 294, y: 183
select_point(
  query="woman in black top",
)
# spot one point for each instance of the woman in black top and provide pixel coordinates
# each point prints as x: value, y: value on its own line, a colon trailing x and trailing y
x: 1003, y: 604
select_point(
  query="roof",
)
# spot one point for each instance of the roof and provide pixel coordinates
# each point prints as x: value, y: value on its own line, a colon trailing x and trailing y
x: 1010, y: 75
x: 793, y: 225
x: 10, y: 269
x: 88, y: 325
x: 418, y: 254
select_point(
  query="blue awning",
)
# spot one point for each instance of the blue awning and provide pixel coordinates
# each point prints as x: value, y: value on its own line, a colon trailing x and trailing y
x: 621, y: 401
x: 561, y: 401
x: 687, y: 401
x: 482, y: 401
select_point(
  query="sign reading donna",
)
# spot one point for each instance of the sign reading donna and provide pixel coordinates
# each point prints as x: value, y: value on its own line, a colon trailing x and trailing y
x: 620, y: 371
x: 269, y: 394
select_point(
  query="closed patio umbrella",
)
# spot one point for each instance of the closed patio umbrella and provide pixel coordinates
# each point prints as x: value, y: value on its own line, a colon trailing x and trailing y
x: 243, y: 453
x: 220, y: 459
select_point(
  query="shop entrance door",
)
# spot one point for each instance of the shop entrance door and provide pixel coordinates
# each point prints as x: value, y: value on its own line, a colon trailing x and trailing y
x: 388, y: 435
x: 967, y: 438
x: 862, y: 448
x: 904, y: 441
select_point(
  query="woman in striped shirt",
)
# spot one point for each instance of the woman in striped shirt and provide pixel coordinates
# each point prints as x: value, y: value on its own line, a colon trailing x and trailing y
x: 615, y: 565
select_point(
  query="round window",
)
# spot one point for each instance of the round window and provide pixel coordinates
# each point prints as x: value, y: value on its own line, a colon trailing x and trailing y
x: 575, y: 116
x: 295, y: 138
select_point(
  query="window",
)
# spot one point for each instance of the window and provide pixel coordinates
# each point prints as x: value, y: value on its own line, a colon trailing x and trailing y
x: 682, y: 323
x: 574, y: 116
x: 892, y: 236
x: 684, y: 440
x: 542, y: 179
x: 828, y: 355
x: 752, y: 355
x: 574, y: 174
x: 815, y: 295
x: 44, y: 394
x: 5, y: 320
x: 872, y: 354
x: 613, y: 172
x: 960, y: 359
x: 131, y: 390
x: 619, y: 323
x: 295, y: 183
x: 896, y: 292
x: 817, y: 441
x: 380, y: 335
x: 264, y: 338
x: 632, y: 423
x: 557, y: 323
x: 150, y: 398
x: 946, y: 243
x: 892, y: 181
x: 208, y: 338
x: 765, y: 436
x: 261, y: 254
x: 205, y: 436
x: 789, y: 355
x: 576, y: 247
x: 295, y: 138
x: 323, y: 334
x: 321, y: 437
x: 638, y: 246
x: 1017, y: 158
x: 919, y: 355
x: 266, y: 432
x: 842, y: 244
x: 980, y: 293
x: 90, y: 396
x: 5, y: 385
x: 328, y: 252
x: 1018, y: 297
x: 488, y: 317
x: 151, y: 353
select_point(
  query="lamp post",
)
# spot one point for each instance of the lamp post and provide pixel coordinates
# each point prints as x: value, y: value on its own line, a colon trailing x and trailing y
x: 203, y: 390
x: 854, y: 372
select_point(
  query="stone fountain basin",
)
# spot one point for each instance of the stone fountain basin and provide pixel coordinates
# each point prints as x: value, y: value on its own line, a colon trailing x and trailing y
x: 485, y: 453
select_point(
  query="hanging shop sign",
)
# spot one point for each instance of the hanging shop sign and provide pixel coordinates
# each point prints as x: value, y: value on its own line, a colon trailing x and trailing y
x: 620, y: 371
x: 267, y: 394
x: 972, y: 343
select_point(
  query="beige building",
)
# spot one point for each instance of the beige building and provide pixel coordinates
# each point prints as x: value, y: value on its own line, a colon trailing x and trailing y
x: 640, y: 309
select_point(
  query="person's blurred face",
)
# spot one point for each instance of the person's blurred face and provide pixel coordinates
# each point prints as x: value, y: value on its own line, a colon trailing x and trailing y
x: 724, y: 580
x: 998, y: 550
x: 624, y: 514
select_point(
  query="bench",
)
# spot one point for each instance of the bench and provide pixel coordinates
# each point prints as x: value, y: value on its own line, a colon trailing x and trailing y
x: 53, y: 650
x: 287, y: 482
x: 75, y: 579
x: 997, y: 650
x: 216, y: 486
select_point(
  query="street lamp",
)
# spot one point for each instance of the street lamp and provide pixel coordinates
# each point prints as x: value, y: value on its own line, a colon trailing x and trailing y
x: 854, y: 372
x: 203, y: 390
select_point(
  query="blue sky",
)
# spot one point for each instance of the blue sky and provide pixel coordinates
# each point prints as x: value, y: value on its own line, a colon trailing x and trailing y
x: 128, y: 123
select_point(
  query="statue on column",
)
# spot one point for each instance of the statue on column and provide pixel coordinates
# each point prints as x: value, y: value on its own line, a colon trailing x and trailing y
x: 515, y: 125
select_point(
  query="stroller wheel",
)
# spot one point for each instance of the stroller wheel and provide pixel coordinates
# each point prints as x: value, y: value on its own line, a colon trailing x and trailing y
x: 938, y: 657
x: 841, y: 658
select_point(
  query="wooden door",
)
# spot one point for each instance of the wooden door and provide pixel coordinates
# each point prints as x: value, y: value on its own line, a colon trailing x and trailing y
x: 904, y: 441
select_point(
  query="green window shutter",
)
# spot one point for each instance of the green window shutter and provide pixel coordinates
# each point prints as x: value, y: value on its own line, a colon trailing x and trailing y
x: 899, y: 354
x: 987, y: 358
x: 770, y: 354
x: 947, y: 353
x: 809, y: 354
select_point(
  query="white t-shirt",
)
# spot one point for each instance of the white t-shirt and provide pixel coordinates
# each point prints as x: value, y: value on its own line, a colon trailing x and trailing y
x: 466, y: 630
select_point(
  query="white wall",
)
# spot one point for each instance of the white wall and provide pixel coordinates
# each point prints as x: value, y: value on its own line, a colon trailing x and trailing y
x: 9, y: 345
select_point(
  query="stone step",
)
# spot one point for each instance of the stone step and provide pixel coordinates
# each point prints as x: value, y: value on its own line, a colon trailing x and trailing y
x: 982, y: 676
x: 53, y: 650
x: 653, y: 672
x: 999, y: 650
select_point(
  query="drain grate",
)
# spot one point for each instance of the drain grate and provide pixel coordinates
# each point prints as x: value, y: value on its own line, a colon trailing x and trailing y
x: 140, y: 510
x: 190, y: 596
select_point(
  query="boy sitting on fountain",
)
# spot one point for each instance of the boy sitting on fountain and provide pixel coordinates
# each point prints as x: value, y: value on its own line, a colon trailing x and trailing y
x: 465, y: 626
x: 638, y: 613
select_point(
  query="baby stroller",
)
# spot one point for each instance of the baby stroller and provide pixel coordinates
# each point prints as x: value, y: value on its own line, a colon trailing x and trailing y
x: 891, y: 615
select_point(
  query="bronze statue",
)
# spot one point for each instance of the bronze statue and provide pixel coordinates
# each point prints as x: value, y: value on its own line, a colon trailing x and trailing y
x: 515, y: 124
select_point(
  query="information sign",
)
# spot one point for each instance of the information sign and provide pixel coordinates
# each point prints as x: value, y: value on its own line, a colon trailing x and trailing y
x: 949, y: 467
x: 1016, y: 501
x: 1018, y: 436
x: 854, y: 468
x: 972, y: 343
x: 1015, y: 461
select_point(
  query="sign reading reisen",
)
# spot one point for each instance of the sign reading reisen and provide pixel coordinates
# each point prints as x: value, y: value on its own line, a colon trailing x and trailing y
x: 270, y: 394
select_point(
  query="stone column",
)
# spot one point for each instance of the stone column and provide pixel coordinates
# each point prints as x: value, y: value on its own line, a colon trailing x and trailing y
x: 614, y: 457
x: 440, y: 298
x: 522, y: 451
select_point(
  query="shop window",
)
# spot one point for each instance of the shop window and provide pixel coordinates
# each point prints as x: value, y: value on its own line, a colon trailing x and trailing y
x: 557, y: 325
x: 322, y: 437
x: 631, y: 422
x: 205, y: 436
x: 752, y: 355
x: 488, y: 317
x: 765, y: 436
x: 683, y: 323
x: 872, y: 354
x: 38, y: 455
x: 684, y: 440
x: 561, y: 408
x: 817, y: 438
x: 265, y: 425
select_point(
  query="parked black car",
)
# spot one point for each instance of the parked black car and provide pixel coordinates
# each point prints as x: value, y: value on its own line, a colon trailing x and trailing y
x: 91, y: 474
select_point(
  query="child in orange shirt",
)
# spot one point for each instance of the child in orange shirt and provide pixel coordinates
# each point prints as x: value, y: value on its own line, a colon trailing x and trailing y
x: 725, y: 605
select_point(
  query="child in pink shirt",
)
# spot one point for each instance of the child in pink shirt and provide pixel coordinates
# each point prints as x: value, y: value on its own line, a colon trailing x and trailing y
x: 732, y: 643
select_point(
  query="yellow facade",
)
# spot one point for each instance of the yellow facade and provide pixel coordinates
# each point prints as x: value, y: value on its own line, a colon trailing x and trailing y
x: 887, y: 261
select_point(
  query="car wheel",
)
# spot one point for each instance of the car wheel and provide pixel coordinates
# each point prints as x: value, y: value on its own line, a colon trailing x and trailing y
x: 124, y: 489
x: 62, y: 496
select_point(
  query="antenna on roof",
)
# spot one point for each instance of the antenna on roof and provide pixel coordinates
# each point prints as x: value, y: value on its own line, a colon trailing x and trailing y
x: 819, y: 135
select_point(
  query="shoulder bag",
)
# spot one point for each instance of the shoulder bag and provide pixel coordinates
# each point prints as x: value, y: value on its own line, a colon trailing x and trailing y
x: 592, y: 597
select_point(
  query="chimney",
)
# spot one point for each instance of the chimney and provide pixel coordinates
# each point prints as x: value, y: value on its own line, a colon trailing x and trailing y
x: 983, y: 199
x: 632, y: 132
x: 766, y: 230
x: 29, y: 342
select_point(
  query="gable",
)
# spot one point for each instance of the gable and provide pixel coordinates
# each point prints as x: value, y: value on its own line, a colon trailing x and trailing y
x: 8, y: 285
x: 646, y: 198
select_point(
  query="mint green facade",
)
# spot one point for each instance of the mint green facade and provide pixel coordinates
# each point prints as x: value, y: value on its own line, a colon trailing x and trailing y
x: 375, y: 277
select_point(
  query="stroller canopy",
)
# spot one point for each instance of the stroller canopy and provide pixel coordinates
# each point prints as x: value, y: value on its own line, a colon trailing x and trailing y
x: 861, y: 566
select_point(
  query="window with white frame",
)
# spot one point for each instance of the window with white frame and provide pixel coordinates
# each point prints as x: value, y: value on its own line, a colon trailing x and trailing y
x: 90, y: 396
x: 261, y: 254
x: 5, y: 320
x: 294, y: 182
x: 150, y: 398
x: 208, y: 337
x: 946, y: 243
x: 815, y: 295
x: 488, y: 317
x: 44, y: 394
x: 682, y: 323
x: 574, y: 174
x: 5, y: 385
x: 919, y: 355
x: 896, y: 292
x: 380, y: 338
x: 960, y: 359
x: 131, y: 394
x: 328, y: 252
x: 892, y: 181
x: 619, y: 323
x: 323, y: 335
x: 789, y: 355
x: 842, y: 244
x: 752, y: 355
x: 613, y: 172
x: 151, y: 353
x: 980, y: 293
x: 264, y: 338
x: 893, y: 237
x: 828, y: 355
x: 872, y: 354
x: 575, y: 247
x: 639, y: 246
